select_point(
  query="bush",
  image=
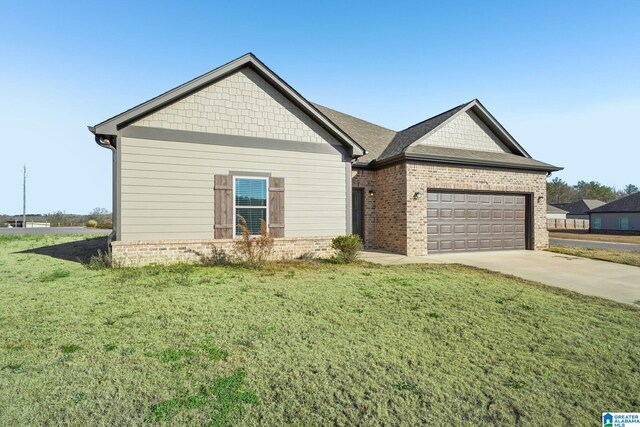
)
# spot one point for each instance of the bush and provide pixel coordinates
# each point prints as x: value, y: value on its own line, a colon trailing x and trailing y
x: 92, y: 223
x: 253, y: 251
x: 347, y: 247
x: 102, y: 260
x: 216, y: 256
x: 107, y: 225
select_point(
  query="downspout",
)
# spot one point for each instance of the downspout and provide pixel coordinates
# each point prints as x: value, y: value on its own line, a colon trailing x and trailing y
x: 114, y: 159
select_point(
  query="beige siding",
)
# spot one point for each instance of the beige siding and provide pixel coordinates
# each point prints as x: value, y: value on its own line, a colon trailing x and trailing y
x: 241, y: 104
x: 467, y: 132
x: 167, y: 188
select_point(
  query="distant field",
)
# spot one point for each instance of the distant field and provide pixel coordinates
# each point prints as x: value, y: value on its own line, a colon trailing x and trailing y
x: 307, y: 344
x: 611, y: 255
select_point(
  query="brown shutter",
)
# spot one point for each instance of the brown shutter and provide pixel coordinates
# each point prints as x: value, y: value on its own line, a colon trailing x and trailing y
x: 223, y: 207
x: 276, y: 206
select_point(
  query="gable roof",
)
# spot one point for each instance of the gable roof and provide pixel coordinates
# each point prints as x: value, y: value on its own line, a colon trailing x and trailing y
x: 114, y: 124
x: 580, y: 207
x: 385, y: 145
x: 629, y: 203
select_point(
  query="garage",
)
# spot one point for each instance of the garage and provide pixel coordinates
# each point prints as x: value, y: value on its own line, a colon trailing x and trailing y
x: 467, y: 221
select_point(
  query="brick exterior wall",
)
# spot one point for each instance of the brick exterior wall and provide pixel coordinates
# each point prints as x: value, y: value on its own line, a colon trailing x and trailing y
x: 391, y: 208
x: 399, y: 220
x: 139, y: 253
x: 366, y: 179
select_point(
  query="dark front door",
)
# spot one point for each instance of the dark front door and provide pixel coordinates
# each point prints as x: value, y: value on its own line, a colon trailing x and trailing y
x: 357, y: 212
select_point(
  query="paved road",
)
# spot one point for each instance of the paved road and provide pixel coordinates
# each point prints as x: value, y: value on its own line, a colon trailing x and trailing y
x: 595, y: 244
x: 609, y: 280
x: 55, y: 230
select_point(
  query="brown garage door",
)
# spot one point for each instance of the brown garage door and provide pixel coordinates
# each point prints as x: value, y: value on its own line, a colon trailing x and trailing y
x: 475, y: 221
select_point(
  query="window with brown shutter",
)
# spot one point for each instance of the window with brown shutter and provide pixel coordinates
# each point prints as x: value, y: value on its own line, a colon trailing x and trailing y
x: 276, y: 206
x: 223, y: 207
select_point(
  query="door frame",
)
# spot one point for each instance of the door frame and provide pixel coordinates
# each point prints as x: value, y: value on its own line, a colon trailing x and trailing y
x: 354, y: 210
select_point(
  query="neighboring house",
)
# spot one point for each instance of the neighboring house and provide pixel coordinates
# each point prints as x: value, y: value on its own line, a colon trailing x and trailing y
x: 555, y: 213
x: 622, y: 215
x: 579, y: 209
x: 240, y: 140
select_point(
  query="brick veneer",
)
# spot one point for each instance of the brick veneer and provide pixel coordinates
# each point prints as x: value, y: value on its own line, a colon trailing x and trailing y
x: 397, y: 221
x: 138, y: 253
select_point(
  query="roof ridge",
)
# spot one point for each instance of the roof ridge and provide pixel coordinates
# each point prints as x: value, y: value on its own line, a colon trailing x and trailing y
x: 353, y: 117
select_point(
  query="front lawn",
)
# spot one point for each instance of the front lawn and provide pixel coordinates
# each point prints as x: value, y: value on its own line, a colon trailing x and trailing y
x: 315, y: 344
x: 596, y: 237
x: 602, y: 254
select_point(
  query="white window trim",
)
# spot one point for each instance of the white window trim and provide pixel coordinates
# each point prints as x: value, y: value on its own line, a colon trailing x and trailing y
x: 266, y: 206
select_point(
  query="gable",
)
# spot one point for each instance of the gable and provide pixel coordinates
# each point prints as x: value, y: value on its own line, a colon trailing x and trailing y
x: 466, y: 131
x: 241, y: 104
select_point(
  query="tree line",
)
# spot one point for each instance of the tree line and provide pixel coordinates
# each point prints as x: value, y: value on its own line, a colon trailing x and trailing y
x: 61, y: 218
x: 558, y: 191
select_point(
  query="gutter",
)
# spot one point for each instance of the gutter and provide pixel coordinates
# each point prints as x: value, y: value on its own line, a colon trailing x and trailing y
x: 456, y: 161
x: 114, y: 159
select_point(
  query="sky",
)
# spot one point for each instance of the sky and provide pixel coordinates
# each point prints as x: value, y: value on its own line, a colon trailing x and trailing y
x: 562, y: 77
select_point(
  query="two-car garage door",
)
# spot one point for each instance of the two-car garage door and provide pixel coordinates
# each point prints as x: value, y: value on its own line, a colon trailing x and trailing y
x: 475, y: 221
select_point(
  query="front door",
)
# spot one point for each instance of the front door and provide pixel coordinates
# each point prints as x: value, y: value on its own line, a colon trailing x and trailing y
x: 357, y: 212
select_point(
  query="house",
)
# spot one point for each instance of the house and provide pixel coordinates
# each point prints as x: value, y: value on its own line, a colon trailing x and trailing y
x: 240, y: 141
x: 555, y: 213
x: 579, y: 209
x: 622, y: 215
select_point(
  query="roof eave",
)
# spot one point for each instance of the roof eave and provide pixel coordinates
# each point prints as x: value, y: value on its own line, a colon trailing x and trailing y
x: 465, y: 162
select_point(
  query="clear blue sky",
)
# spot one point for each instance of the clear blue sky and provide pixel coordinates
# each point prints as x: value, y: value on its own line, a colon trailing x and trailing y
x: 562, y: 77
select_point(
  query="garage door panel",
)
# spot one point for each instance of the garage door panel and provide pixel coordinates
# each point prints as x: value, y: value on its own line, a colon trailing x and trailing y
x: 460, y: 221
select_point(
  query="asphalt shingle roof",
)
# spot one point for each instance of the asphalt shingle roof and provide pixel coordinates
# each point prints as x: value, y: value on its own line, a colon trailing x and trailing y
x: 629, y: 203
x: 580, y: 207
x: 383, y: 144
x: 554, y: 210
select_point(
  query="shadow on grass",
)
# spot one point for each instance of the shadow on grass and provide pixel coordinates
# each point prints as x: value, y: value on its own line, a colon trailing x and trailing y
x: 79, y: 251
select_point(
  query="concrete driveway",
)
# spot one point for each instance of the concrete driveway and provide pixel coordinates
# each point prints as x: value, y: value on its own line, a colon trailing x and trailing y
x: 609, y: 280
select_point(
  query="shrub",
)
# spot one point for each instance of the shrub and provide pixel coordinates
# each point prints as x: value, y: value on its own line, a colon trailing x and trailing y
x: 92, y: 223
x: 107, y: 225
x: 216, y: 256
x: 347, y: 247
x: 253, y: 251
x: 101, y: 260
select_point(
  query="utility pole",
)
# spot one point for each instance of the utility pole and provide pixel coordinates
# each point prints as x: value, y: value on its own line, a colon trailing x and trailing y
x: 24, y: 197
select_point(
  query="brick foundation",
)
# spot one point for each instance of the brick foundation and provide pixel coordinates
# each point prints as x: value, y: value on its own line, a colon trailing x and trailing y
x: 138, y: 253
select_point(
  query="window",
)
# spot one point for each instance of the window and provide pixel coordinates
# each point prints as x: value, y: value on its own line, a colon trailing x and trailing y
x: 624, y: 223
x: 597, y: 223
x: 250, y: 202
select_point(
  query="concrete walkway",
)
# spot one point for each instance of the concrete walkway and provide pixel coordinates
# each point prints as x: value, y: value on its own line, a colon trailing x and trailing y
x: 608, y: 280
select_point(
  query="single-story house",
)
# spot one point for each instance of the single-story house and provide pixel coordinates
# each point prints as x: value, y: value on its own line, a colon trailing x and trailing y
x: 622, y: 215
x: 555, y: 213
x: 579, y: 209
x: 240, y: 141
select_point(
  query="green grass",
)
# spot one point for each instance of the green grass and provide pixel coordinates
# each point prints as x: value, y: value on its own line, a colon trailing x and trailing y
x: 611, y: 255
x: 312, y: 344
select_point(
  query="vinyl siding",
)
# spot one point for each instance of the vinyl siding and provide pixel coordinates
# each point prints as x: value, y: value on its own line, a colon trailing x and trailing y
x: 167, y: 188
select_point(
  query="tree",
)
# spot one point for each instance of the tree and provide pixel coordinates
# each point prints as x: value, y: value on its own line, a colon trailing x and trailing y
x: 594, y: 190
x: 559, y: 191
x: 100, y: 215
x: 629, y: 189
